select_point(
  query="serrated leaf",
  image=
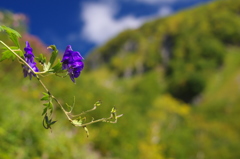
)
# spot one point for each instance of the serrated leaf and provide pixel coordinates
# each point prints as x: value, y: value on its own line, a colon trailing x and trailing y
x: 7, y: 54
x: 12, y: 34
x: 54, y: 54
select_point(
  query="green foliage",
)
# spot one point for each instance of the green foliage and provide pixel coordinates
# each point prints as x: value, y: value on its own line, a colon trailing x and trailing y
x: 57, y: 68
x: 49, y: 66
x: 12, y: 34
x: 47, y: 111
x: 7, y: 54
x: 54, y: 54
x: 41, y: 59
x: 176, y: 80
x: 47, y: 123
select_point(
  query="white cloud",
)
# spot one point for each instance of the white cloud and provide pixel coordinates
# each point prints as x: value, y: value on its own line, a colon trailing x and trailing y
x: 100, y: 23
x: 165, y: 11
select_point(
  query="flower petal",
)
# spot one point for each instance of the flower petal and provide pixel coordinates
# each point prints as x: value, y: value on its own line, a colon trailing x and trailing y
x: 72, y: 61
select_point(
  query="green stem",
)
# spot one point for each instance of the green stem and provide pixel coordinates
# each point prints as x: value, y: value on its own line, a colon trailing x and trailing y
x: 95, y: 107
x: 21, y: 59
x: 100, y: 120
x: 68, y: 114
x: 65, y: 112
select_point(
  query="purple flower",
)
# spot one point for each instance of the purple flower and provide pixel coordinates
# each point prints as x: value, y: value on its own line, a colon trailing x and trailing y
x: 73, y: 62
x: 29, y: 58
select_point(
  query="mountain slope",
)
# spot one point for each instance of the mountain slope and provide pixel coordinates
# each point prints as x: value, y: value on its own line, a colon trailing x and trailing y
x: 176, y: 80
x: 189, y: 46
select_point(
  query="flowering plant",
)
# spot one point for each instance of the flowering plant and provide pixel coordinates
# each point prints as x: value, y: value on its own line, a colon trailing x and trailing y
x: 71, y: 64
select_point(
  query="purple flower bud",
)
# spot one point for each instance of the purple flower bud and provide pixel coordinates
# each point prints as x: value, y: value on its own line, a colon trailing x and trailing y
x: 73, y: 62
x: 29, y: 58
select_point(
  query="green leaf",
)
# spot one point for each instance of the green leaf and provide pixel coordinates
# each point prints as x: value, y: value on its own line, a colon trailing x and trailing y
x: 86, y: 130
x: 47, y: 123
x: 114, y: 113
x: 50, y: 107
x: 54, y: 54
x: 114, y: 110
x: 98, y: 103
x: 44, y: 110
x: 46, y: 104
x: 41, y: 59
x: 45, y: 94
x: 12, y: 34
x: 7, y: 54
x: 76, y: 122
x: 53, y: 122
x: 1, y: 28
x: 57, y: 68
x: 45, y: 97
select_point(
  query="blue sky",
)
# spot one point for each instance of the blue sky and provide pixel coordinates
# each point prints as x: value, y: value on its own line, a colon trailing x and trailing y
x: 86, y: 24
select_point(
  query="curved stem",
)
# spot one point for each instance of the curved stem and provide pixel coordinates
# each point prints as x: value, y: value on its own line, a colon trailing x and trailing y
x: 20, y: 58
x: 66, y: 113
x: 95, y: 107
x: 100, y: 120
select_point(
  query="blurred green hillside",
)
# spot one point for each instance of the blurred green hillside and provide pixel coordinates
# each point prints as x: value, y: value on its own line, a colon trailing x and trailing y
x: 175, y: 79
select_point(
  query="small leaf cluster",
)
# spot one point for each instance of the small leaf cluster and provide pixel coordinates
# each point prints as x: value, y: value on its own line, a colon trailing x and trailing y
x: 47, y: 111
x: 49, y: 66
x: 13, y: 36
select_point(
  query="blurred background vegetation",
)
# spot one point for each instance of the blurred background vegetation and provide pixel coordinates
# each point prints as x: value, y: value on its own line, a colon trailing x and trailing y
x: 175, y: 79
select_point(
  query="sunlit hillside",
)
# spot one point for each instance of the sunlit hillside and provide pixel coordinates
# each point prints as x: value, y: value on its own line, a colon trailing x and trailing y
x: 175, y: 79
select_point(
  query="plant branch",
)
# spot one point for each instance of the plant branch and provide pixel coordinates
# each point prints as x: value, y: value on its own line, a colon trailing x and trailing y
x: 95, y: 107
x: 68, y: 114
x: 100, y: 120
x: 21, y: 59
x: 65, y: 112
